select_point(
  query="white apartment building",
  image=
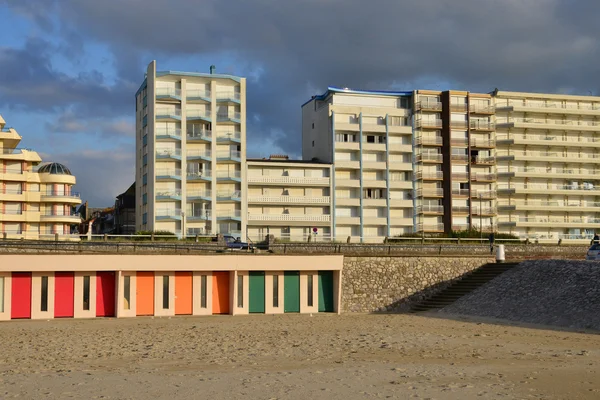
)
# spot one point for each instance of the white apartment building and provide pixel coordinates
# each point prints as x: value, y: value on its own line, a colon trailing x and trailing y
x: 289, y: 199
x: 548, y: 165
x: 35, y: 202
x: 190, y: 153
x: 367, y: 135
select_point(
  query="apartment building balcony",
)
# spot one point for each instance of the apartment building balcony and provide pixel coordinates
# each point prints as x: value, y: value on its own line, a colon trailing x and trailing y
x: 459, y: 142
x: 229, y: 155
x: 168, y: 154
x: 483, y: 194
x: 429, y: 141
x: 400, y: 203
x: 460, y: 210
x: 541, y: 188
x: 200, y: 136
x: 481, y: 126
x: 198, y: 96
x: 230, y: 117
x: 20, y: 216
x: 229, y: 137
x: 60, y: 197
x: 289, y: 200
x: 459, y: 158
x: 481, y: 160
x: 65, y: 217
x: 198, y: 115
x: 431, y: 228
x: 430, y: 209
x: 347, y: 164
x: 375, y: 221
x: 368, y: 202
x: 479, y: 109
x: 233, y: 176
x: 548, y: 140
x: 482, y: 143
x: 484, y: 211
x: 374, y: 183
x: 432, y: 106
x: 347, y: 183
x: 428, y: 123
x: 347, y: 146
x: 460, y: 193
x: 347, y: 201
x: 168, y: 214
x: 199, y: 155
x: 561, y: 109
x: 400, y: 148
x: 430, y: 176
x: 167, y: 134
x: 377, y: 165
x: 290, y: 219
x: 458, y: 107
x: 168, y: 114
x: 560, y: 206
x: 347, y: 220
x: 482, y: 177
x: 229, y: 195
x: 199, y: 215
x: 460, y: 176
x: 166, y: 93
x: 458, y: 124
x: 400, y: 166
x: 430, y: 192
x: 557, y: 124
x: 168, y: 174
x: 291, y: 180
x: 400, y: 129
x: 380, y: 147
x: 401, y: 184
x: 18, y: 195
x: 549, y: 222
x: 561, y: 157
x: 229, y: 97
x: 19, y: 154
x: 230, y: 215
x: 205, y: 195
x: 430, y: 158
x: 168, y: 195
x: 205, y: 175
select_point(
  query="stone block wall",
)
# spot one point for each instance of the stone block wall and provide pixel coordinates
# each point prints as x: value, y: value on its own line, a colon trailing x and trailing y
x: 372, y: 284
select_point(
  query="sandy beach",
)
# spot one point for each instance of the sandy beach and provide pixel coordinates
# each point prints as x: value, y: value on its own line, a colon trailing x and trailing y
x: 294, y: 357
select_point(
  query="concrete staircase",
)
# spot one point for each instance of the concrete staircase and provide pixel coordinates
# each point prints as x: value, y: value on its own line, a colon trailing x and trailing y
x: 462, y: 287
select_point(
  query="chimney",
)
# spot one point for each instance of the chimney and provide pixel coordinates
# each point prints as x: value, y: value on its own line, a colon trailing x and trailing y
x: 212, y: 69
x: 279, y: 157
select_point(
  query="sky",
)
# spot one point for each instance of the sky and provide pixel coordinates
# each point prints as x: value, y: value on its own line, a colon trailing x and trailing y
x: 69, y: 69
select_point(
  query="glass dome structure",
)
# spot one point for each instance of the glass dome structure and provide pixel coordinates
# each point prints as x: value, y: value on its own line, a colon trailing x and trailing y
x: 54, y: 168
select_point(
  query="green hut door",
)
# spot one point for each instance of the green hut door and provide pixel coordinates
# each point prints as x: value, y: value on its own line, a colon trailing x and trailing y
x: 291, y: 292
x: 256, y: 286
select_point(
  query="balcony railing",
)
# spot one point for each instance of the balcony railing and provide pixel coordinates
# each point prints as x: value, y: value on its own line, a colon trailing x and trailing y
x: 482, y: 142
x: 229, y: 174
x: 198, y: 193
x: 165, y: 153
x: 431, y: 227
x: 429, y: 106
x: 228, y: 96
x: 229, y: 154
x: 544, y: 137
x: 539, y: 121
x: 197, y: 114
x: 484, y: 211
x: 168, y: 212
x: 229, y: 214
x: 303, y: 180
x: 12, y: 212
x: 168, y: 193
x: 229, y: 136
x: 200, y: 135
x: 483, y: 160
x: 549, y: 220
x: 429, y: 140
x: 56, y: 193
x: 430, y: 192
x: 460, y: 192
x: 460, y: 176
x: 560, y: 204
x: 290, y: 199
x: 15, y: 151
x: 197, y: 93
x: 460, y: 209
x: 483, y: 109
x: 484, y: 194
x: 483, y: 177
x: 167, y: 112
x: 289, y: 217
x: 164, y: 91
x: 198, y: 153
x: 168, y: 172
x: 593, y: 107
x: 430, y: 175
x: 459, y: 157
x: 458, y: 124
x: 427, y: 208
x: 458, y: 107
x: 228, y: 116
x: 482, y: 125
x: 434, y: 157
x: 207, y: 173
x: 543, y: 186
x: 428, y: 123
x: 173, y: 132
x: 459, y: 141
x: 11, y: 191
x: 205, y: 215
x: 230, y: 194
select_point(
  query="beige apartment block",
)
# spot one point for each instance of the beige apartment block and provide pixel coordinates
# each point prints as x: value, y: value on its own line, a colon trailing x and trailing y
x: 367, y: 135
x: 548, y: 165
x: 289, y: 199
x: 191, y: 152
x: 455, y: 164
x: 35, y: 202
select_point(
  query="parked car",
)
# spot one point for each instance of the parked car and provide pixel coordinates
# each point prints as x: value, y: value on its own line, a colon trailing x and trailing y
x: 236, y: 244
x: 593, y: 253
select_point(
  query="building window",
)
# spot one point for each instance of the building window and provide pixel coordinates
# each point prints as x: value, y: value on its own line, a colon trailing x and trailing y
x: 145, y: 159
x: 310, y: 290
x: 145, y: 199
x: 145, y: 179
x: 275, y: 290
x: 145, y: 120
x: 240, y: 291
x: 145, y: 218
x: 126, y: 292
x: 203, y: 291
x: 145, y: 101
x: 44, y: 300
x: 165, y: 292
x: 145, y: 140
x: 86, y: 293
